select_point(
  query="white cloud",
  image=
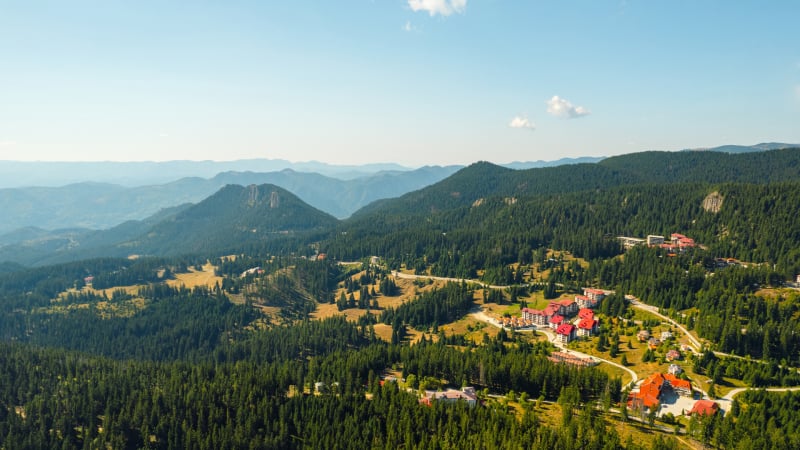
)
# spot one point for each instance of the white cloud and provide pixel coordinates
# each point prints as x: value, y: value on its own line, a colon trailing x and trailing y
x: 434, y: 7
x: 408, y: 27
x: 522, y: 122
x: 7, y: 143
x: 561, y: 107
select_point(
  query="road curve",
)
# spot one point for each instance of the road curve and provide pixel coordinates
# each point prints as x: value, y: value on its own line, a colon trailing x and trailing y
x: 636, y: 303
x: 734, y: 392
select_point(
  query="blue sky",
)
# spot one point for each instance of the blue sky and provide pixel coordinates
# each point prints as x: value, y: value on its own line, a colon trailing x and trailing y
x: 409, y: 81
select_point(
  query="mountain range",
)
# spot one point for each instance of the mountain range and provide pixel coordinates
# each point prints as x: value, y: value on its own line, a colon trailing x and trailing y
x: 111, y: 193
x: 97, y: 206
x: 236, y: 216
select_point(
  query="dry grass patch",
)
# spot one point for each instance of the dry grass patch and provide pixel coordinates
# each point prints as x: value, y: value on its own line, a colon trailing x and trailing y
x: 407, y: 292
x: 471, y: 328
x: 383, y: 331
x: 640, y: 433
x: 326, y: 310
x: 193, y: 278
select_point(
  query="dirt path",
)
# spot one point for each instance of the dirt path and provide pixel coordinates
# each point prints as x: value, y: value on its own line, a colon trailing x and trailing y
x: 408, y: 276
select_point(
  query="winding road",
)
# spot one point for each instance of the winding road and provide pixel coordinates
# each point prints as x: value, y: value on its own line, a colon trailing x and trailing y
x: 636, y: 303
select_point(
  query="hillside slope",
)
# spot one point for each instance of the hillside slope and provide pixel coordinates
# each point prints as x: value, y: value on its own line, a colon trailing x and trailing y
x: 234, y: 217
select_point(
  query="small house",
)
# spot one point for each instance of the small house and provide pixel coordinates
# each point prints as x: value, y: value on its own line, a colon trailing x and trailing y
x: 705, y: 408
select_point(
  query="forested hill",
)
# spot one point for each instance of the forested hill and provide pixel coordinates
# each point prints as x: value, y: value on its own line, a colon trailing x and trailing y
x: 753, y: 222
x: 709, y: 166
x: 482, y: 180
x: 234, y: 217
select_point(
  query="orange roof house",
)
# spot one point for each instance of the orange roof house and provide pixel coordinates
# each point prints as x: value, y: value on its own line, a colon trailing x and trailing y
x: 651, y: 388
x: 682, y: 387
x: 649, y: 393
x: 705, y: 408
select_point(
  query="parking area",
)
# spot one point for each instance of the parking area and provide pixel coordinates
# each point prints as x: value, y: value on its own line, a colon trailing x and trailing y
x: 674, y: 403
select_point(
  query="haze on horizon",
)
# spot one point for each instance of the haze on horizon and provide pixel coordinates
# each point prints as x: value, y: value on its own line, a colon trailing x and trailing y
x: 412, y: 82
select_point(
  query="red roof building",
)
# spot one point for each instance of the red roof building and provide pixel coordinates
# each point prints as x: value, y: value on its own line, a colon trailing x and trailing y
x: 586, y: 313
x: 566, y: 333
x: 556, y: 321
x: 587, y: 327
x: 650, y: 390
x: 705, y: 408
x: 594, y: 294
x: 682, y: 241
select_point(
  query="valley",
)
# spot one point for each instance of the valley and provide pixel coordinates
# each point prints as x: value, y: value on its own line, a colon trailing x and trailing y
x: 534, y: 293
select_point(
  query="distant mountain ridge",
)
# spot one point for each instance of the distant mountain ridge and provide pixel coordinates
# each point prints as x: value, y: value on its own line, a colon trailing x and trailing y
x: 103, y: 205
x: 483, y: 179
x: 763, y: 147
x: 135, y: 173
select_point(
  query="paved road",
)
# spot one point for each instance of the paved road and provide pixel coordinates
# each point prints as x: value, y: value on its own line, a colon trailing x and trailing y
x: 553, y: 339
x: 734, y: 392
x: 636, y: 303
